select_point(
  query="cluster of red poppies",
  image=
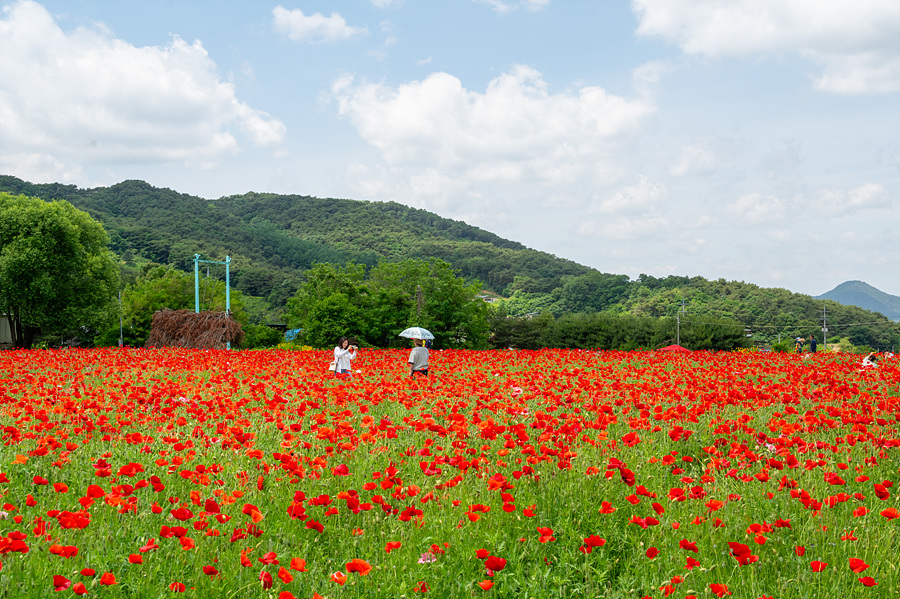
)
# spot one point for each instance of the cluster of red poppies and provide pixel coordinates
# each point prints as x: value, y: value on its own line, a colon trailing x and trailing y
x: 632, y: 473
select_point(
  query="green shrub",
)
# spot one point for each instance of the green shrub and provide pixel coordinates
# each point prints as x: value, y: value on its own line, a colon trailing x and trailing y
x: 260, y: 336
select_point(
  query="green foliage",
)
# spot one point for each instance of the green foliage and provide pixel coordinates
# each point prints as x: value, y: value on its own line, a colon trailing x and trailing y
x: 259, y: 336
x: 784, y: 347
x: 161, y: 287
x: 56, y: 271
x: 340, y: 301
x: 607, y: 331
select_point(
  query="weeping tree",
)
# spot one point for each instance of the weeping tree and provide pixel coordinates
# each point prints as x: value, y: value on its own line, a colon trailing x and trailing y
x: 57, y: 274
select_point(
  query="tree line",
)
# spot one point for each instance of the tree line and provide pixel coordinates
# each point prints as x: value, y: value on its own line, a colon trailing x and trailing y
x: 311, y: 275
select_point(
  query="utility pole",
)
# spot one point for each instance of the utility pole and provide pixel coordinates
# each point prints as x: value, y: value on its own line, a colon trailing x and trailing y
x: 420, y: 301
x: 121, y: 337
x: 824, y: 329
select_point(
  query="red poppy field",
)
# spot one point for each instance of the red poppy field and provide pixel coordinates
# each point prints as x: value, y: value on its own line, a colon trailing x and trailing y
x: 150, y: 473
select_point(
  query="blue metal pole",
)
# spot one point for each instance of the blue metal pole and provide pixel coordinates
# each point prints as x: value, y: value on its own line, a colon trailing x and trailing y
x: 196, y: 283
x: 227, y: 287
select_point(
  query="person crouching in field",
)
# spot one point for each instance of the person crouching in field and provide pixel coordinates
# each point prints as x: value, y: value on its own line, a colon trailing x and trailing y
x: 418, y: 359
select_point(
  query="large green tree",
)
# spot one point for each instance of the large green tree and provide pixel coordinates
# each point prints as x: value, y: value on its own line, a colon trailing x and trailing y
x: 336, y: 300
x: 430, y: 294
x: 56, y: 271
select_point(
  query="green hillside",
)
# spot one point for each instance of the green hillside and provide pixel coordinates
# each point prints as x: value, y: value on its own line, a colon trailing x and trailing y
x: 273, y: 238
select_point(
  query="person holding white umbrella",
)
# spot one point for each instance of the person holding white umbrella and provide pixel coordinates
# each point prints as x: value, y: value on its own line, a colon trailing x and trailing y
x: 418, y: 357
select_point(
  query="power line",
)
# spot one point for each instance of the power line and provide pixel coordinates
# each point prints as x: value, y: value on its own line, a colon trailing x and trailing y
x: 792, y: 325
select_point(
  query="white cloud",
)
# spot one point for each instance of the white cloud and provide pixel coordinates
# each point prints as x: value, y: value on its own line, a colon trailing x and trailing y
x: 516, y: 130
x: 85, y: 96
x: 832, y: 203
x: 643, y: 227
x: 506, y: 6
x: 755, y: 209
x: 645, y: 77
x: 313, y: 28
x: 640, y: 198
x: 694, y: 159
x: 855, y: 41
x: 386, y: 3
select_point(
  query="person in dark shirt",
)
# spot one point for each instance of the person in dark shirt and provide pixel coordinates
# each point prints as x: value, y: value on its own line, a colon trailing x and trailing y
x: 812, y: 344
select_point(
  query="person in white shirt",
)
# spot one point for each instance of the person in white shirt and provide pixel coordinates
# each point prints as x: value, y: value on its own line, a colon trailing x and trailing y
x: 344, y: 353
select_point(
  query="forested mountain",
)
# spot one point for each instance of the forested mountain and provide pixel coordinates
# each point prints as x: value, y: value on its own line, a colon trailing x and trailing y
x: 274, y: 239
x: 858, y: 293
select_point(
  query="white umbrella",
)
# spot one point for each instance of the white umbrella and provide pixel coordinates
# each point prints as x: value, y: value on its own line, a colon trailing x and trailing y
x: 417, y: 333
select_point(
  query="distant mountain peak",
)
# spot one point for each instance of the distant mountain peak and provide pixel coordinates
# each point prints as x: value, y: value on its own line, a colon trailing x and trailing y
x: 863, y: 295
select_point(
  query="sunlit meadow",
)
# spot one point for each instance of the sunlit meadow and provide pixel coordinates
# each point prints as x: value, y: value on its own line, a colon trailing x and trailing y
x: 151, y: 473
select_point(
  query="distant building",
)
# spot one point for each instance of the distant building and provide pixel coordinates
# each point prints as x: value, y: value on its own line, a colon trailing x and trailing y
x: 487, y: 296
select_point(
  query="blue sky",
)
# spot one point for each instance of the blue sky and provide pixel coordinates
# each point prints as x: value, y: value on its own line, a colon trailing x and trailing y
x: 752, y: 140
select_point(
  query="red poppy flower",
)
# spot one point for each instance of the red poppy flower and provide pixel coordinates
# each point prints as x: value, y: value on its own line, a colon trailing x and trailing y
x: 177, y: 587
x: 482, y: 553
x: 61, y: 583
x: 339, y: 577
x: 742, y: 553
x: 818, y: 566
x: 652, y: 552
x: 494, y: 563
x: 108, y: 578
x: 150, y: 546
x: 266, y: 580
x: 857, y: 565
x: 298, y: 564
x: 688, y: 545
x: 800, y: 550
x: 79, y: 589
x: 269, y: 558
x: 65, y: 551
x: 285, y: 576
x: 890, y: 513
x: 314, y: 525
x: 486, y: 584
x: 358, y: 565
x: 182, y: 513
x: 719, y: 590
x: 134, y: 558
x: 868, y: 581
